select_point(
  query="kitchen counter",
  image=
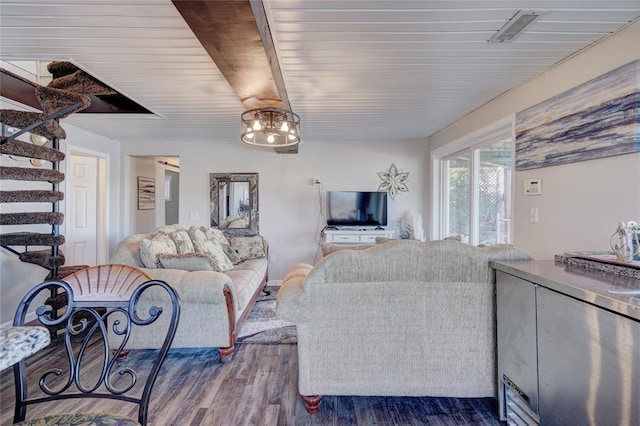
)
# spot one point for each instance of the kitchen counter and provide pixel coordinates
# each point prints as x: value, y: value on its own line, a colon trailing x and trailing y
x: 584, y: 285
x: 17, y: 343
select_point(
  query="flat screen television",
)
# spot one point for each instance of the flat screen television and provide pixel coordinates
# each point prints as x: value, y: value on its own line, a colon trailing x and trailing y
x: 356, y: 208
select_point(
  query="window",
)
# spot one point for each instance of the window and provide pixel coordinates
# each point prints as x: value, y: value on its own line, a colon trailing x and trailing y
x: 476, y: 191
x: 457, y: 196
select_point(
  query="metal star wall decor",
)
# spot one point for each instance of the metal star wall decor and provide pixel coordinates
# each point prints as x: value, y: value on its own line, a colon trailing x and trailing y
x: 394, y: 181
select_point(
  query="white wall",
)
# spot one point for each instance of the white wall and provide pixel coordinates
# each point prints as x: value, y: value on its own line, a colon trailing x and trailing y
x: 581, y: 202
x: 16, y: 277
x: 289, y: 210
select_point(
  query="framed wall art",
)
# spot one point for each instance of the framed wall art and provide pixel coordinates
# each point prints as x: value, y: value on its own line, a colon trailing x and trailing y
x: 599, y: 118
x: 146, y: 193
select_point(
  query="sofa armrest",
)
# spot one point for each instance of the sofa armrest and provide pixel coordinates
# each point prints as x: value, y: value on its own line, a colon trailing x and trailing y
x: 290, y: 303
x: 290, y: 300
x: 128, y: 251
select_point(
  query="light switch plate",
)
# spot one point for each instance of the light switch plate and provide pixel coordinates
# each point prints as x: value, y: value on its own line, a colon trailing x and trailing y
x: 533, y: 186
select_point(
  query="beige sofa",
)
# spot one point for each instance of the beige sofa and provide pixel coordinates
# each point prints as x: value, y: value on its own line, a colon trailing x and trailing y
x: 214, y: 304
x: 401, y: 318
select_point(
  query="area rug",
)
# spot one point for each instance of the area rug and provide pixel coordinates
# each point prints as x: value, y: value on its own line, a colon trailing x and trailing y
x: 263, y: 327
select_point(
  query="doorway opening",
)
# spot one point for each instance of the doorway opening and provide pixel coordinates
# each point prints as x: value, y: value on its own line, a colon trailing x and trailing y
x: 171, y: 197
x: 86, y: 217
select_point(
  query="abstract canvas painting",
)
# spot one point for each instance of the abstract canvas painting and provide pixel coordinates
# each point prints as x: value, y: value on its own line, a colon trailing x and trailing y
x: 146, y: 193
x: 599, y: 118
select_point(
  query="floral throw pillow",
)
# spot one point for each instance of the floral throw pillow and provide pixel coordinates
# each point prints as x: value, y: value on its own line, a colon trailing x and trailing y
x: 218, y: 236
x: 233, y: 255
x: 220, y: 260
x: 182, y: 241
x: 213, y: 249
x: 197, y: 236
x: 214, y: 234
x: 151, y: 248
x: 201, y: 233
x: 248, y: 247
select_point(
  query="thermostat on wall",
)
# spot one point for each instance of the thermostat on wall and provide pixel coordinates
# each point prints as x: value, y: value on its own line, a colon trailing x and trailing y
x: 533, y: 186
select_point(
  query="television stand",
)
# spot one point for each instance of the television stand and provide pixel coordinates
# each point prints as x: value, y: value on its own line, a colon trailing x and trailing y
x: 355, y: 235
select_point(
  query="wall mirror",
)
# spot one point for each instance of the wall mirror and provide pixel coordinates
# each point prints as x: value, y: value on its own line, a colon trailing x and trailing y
x: 234, y: 203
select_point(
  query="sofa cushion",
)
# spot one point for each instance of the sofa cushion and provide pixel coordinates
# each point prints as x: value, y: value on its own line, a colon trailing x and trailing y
x: 150, y: 248
x: 248, y: 247
x: 182, y: 241
x: 187, y: 261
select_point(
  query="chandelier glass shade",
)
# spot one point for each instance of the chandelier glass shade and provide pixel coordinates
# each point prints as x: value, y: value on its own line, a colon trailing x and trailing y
x: 271, y: 127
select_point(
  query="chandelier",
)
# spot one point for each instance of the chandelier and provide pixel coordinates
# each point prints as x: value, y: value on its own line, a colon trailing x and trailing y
x: 270, y: 127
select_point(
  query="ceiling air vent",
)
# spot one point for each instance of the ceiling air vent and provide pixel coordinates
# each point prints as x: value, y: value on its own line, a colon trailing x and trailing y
x: 516, y: 25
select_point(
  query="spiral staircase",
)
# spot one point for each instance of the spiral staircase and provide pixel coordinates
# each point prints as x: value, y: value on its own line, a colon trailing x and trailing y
x: 66, y: 94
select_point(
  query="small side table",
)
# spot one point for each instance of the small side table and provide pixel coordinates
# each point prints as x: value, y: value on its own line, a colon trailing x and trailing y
x: 17, y: 343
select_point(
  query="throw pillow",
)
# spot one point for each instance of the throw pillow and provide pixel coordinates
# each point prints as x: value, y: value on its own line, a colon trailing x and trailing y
x: 213, y: 249
x: 151, y: 248
x: 218, y: 236
x: 182, y: 241
x: 213, y: 234
x: 248, y: 247
x: 197, y: 236
x: 187, y: 261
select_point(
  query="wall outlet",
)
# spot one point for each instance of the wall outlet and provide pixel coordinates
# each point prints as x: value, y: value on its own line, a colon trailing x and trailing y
x: 272, y: 257
x: 315, y: 181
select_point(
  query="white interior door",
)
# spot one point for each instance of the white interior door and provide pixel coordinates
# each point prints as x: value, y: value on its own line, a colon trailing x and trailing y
x: 81, y: 246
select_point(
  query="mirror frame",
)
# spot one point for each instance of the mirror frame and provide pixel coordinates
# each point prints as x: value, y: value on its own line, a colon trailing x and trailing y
x: 215, y: 179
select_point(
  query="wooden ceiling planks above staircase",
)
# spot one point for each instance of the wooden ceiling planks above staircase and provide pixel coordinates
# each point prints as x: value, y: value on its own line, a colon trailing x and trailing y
x: 236, y: 35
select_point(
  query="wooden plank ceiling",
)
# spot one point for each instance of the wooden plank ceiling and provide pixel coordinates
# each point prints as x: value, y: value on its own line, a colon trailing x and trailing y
x: 353, y: 69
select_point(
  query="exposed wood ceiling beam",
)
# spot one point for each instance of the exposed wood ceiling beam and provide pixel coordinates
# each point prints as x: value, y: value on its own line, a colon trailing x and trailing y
x: 236, y: 35
x: 270, y: 49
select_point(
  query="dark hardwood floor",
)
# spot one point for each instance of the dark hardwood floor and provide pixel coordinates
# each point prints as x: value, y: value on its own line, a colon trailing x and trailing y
x: 258, y: 387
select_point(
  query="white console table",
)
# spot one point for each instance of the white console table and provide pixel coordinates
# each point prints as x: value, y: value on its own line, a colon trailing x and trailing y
x: 355, y: 236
